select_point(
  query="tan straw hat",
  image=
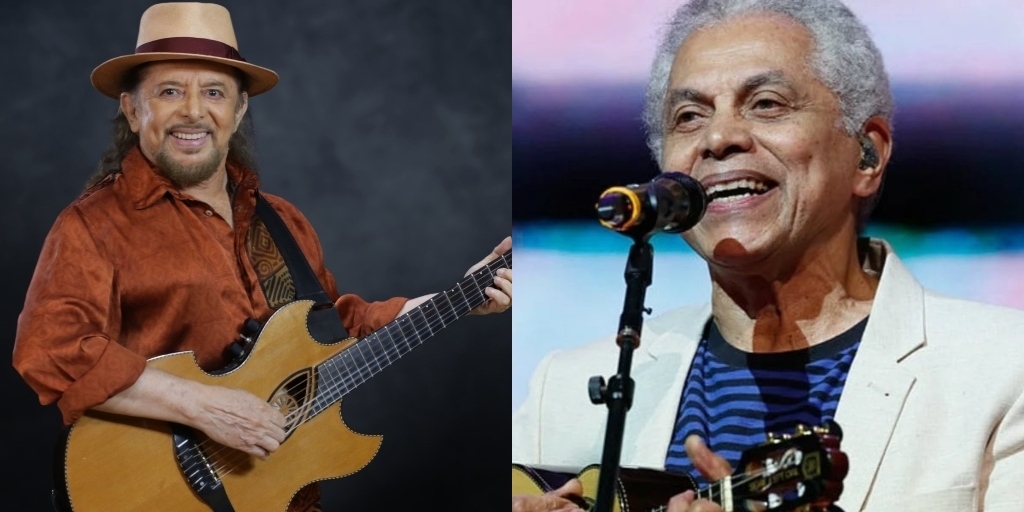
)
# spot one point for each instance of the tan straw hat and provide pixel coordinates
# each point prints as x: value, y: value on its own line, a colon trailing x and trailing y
x: 185, y: 30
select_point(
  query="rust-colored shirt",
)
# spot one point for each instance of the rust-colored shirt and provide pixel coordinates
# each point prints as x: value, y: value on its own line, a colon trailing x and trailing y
x: 135, y: 269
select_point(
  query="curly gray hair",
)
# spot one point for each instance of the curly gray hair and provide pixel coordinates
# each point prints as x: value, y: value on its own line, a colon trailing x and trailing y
x: 845, y: 58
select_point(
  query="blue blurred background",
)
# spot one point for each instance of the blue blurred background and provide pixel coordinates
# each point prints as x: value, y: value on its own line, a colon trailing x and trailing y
x: 952, y: 204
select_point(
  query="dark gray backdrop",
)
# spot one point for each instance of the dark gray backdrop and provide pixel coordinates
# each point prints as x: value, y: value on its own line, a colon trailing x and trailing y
x: 390, y: 129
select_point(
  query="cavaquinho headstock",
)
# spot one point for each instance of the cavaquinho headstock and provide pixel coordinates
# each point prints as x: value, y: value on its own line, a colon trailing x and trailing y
x: 802, y: 470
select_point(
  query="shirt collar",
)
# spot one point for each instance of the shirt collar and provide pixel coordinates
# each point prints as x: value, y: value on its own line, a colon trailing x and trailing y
x: 146, y: 185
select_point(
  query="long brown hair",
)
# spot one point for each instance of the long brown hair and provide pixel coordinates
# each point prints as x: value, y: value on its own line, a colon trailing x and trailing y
x: 241, y: 149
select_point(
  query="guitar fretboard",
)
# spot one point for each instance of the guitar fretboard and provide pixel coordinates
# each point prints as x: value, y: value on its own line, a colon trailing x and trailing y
x: 368, y: 356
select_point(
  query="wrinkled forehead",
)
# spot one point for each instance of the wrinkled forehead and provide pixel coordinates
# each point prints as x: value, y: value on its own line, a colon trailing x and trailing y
x: 728, y: 54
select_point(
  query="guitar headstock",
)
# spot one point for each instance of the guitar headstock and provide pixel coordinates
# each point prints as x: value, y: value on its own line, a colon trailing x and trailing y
x: 799, y: 471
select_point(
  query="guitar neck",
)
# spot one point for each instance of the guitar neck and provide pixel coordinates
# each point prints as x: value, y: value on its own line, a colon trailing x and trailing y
x: 368, y: 356
x: 720, y: 493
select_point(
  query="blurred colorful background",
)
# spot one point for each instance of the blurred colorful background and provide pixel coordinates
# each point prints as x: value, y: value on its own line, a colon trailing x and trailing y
x: 952, y: 206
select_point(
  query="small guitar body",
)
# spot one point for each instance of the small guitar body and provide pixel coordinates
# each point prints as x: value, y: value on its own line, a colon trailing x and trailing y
x: 635, y: 489
x: 802, y: 471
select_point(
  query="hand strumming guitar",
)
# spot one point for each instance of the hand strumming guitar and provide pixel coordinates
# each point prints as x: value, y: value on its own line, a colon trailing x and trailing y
x: 554, y: 501
x: 711, y: 465
x: 231, y: 417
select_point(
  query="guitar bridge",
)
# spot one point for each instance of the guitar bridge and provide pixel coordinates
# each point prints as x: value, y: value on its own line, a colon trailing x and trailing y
x: 196, y: 468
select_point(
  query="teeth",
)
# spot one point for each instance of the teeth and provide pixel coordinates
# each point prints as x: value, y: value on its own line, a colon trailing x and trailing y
x: 742, y: 183
x: 189, y: 136
x: 733, y: 198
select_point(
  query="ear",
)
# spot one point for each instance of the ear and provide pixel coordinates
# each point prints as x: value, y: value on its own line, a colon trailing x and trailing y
x: 240, y: 110
x: 868, y: 178
x: 130, y: 112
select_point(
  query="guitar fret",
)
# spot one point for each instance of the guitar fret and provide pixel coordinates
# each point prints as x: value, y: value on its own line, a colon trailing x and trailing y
x: 372, y: 359
x: 365, y: 358
x: 391, y: 340
x: 408, y: 339
x: 384, y: 349
x: 350, y: 364
x: 449, y: 301
x: 358, y: 361
x: 432, y: 307
x: 425, y: 321
x: 465, y: 301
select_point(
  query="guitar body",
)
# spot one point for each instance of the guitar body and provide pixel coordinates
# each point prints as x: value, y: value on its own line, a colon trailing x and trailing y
x: 115, y: 463
x: 636, y: 489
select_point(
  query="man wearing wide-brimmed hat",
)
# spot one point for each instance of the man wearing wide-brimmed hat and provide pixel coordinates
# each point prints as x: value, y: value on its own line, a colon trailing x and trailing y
x: 164, y: 251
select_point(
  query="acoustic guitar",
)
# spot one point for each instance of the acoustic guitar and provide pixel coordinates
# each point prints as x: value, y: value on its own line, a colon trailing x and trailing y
x: 803, y: 471
x: 115, y: 463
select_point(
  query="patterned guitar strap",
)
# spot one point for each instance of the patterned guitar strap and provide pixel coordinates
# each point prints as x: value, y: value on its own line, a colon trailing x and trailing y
x: 285, y: 275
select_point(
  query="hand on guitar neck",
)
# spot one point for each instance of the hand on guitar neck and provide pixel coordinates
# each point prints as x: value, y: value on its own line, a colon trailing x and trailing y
x: 712, y: 466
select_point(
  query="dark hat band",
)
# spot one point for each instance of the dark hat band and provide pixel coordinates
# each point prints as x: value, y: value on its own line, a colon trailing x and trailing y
x: 193, y: 45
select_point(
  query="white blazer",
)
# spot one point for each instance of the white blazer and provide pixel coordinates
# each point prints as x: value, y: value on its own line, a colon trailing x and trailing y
x: 932, y: 410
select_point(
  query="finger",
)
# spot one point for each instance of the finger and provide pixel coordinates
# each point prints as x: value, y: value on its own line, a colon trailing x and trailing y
x: 268, y: 444
x: 277, y: 433
x: 501, y: 301
x: 556, y: 504
x: 504, y: 284
x: 571, y: 488
x: 570, y: 508
x: 500, y: 249
x: 277, y: 418
x: 681, y: 502
x: 256, y: 451
x: 710, y: 464
x: 503, y: 247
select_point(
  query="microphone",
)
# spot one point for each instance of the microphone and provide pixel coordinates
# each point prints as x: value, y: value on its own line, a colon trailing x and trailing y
x: 670, y: 203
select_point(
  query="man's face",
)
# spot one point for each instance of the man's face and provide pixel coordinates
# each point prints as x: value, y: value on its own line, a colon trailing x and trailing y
x: 746, y: 115
x: 185, y: 113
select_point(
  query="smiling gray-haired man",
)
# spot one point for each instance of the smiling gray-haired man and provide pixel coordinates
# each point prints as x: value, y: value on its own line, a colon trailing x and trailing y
x: 782, y: 109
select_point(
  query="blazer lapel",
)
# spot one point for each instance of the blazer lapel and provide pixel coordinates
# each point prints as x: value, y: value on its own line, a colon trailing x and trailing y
x: 669, y: 353
x: 877, y: 385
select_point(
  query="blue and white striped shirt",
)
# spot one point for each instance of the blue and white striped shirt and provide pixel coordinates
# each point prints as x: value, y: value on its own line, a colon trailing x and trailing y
x: 732, y: 399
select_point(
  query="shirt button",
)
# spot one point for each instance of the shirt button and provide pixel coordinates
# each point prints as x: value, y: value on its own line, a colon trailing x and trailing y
x: 209, y: 213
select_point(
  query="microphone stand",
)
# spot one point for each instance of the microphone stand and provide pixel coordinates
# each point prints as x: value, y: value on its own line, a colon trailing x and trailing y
x: 618, y: 393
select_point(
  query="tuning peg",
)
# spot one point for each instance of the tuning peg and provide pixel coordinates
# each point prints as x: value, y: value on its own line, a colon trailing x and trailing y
x: 829, y: 428
x: 801, y: 430
x: 774, y: 438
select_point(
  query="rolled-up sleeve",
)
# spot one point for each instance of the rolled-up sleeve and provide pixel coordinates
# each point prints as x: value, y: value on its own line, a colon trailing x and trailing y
x: 362, y: 318
x: 65, y: 346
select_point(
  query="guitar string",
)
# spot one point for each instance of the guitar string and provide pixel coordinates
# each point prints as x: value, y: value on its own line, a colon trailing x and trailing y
x: 481, y: 276
x: 746, y: 477
x: 484, y: 276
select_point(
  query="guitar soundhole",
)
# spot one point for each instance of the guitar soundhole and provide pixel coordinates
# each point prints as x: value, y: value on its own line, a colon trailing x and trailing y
x: 292, y: 398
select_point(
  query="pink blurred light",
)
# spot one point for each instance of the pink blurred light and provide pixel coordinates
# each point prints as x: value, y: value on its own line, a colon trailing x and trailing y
x: 922, y: 40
